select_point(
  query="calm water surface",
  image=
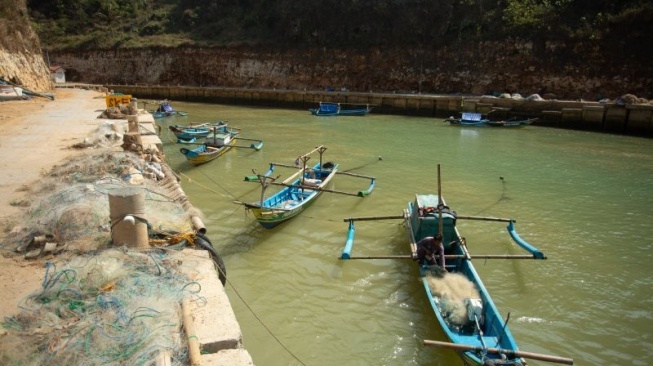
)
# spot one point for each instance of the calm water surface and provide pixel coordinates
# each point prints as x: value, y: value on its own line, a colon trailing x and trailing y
x: 584, y: 199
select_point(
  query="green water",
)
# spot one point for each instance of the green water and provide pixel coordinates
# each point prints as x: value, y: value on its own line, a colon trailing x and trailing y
x: 584, y: 199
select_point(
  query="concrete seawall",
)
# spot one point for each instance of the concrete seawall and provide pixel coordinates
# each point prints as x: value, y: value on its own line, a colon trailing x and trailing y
x: 215, y: 328
x: 630, y: 119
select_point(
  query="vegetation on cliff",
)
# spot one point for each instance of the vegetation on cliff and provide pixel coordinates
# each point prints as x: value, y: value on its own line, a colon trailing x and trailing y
x: 93, y: 24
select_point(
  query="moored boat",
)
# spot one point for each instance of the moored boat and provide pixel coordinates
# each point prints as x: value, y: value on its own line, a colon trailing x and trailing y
x: 10, y: 92
x: 469, y: 318
x: 336, y: 109
x: 165, y: 109
x: 197, y: 131
x: 468, y: 119
x: 204, y: 153
x: 512, y: 122
x: 299, y: 190
x: 220, y: 140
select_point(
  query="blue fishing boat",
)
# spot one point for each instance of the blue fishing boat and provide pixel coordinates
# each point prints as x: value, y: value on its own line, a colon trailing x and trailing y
x: 165, y: 109
x: 336, y: 109
x: 299, y: 190
x: 197, y: 131
x: 220, y: 140
x: 470, y: 320
x: 468, y: 119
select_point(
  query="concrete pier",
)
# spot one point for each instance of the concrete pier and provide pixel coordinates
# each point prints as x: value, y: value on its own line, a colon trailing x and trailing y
x: 215, y: 325
x: 632, y: 119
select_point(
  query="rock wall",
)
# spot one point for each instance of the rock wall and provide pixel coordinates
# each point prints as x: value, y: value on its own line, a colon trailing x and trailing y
x: 562, y: 70
x: 21, y: 61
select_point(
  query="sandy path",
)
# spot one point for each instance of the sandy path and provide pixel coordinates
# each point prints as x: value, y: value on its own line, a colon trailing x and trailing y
x: 34, y: 136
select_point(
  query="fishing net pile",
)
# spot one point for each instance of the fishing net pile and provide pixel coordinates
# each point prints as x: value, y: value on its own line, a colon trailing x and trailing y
x: 70, y: 204
x: 453, y: 289
x: 118, y: 307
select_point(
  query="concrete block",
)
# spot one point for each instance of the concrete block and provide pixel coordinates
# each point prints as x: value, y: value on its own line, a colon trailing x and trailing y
x: 230, y: 357
x: 214, y: 319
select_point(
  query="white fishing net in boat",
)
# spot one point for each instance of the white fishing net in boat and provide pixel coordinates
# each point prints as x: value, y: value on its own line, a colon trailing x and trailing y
x: 453, y: 289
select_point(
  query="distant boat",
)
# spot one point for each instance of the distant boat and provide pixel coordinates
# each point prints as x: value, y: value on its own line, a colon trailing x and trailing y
x: 468, y: 119
x: 336, y: 109
x: 299, y: 190
x: 10, y: 92
x: 196, y: 131
x: 512, y: 122
x: 165, y: 109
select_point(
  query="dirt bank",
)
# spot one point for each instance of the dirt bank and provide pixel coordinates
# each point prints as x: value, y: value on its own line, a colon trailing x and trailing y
x: 35, y: 135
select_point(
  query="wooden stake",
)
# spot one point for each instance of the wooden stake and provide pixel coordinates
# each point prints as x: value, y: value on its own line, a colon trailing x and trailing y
x: 189, y: 327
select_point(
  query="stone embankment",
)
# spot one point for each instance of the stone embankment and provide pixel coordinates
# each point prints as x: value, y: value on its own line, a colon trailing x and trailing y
x: 618, y: 117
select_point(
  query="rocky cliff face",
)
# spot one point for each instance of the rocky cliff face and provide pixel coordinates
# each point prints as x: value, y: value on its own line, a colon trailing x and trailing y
x: 557, y: 69
x: 21, y: 61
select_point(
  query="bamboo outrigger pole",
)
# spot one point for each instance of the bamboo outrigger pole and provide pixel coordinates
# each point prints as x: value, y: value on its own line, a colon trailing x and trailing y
x: 508, y: 352
x: 451, y: 256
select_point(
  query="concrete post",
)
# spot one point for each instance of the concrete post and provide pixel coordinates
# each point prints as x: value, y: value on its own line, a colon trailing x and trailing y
x: 128, y: 224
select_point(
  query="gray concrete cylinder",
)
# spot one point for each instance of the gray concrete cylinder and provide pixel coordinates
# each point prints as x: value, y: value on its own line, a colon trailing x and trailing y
x: 128, y: 224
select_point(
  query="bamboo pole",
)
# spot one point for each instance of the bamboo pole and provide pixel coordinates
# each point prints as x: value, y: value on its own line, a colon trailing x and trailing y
x: 302, y: 186
x: 370, y: 218
x: 189, y: 327
x: 483, y: 218
x: 355, y: 175
x: 451, y: 256
x: 508, y: 352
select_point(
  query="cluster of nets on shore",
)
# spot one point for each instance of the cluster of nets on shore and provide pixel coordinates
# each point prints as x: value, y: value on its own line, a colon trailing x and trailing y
x: 117, y: 307
x: 71, y: 202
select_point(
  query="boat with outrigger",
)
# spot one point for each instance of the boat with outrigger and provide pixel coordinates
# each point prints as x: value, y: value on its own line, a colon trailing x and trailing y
x: 327, y: 109
x: 298, y: 191
x: 220, y: 139
x: 472, y: 324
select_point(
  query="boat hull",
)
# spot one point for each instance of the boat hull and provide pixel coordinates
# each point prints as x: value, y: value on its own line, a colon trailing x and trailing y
x: 291, y: 200
x: 423, y: 221
x: 204, y: 153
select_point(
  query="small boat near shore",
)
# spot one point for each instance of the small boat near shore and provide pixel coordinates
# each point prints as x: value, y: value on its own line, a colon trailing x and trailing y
x: 468, y: 317
x: 165, y: 110
x: 219, y: 140
x: 336, y: 109
x: 299, y: 190
x: 10, y: 92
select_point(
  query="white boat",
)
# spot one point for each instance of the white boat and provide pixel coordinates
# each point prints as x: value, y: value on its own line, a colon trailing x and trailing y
x: 9, y: 92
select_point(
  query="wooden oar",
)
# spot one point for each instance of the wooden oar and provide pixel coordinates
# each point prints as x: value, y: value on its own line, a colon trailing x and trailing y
x: 452, y: 256
x: 507, y: 352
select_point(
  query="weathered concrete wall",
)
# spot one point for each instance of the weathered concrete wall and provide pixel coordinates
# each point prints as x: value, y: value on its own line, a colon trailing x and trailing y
x: 557, y: 69
x: 630, y: 119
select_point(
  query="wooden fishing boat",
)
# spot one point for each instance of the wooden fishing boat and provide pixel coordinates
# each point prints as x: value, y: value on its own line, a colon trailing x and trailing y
x: 299, y: 190
x: 512, y: 122
x: 197, y: 131
x: 468, y: 119
x: 336, y: 109
x: 165, y: 109
x: 472, y: 324
x: 218, y: 142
